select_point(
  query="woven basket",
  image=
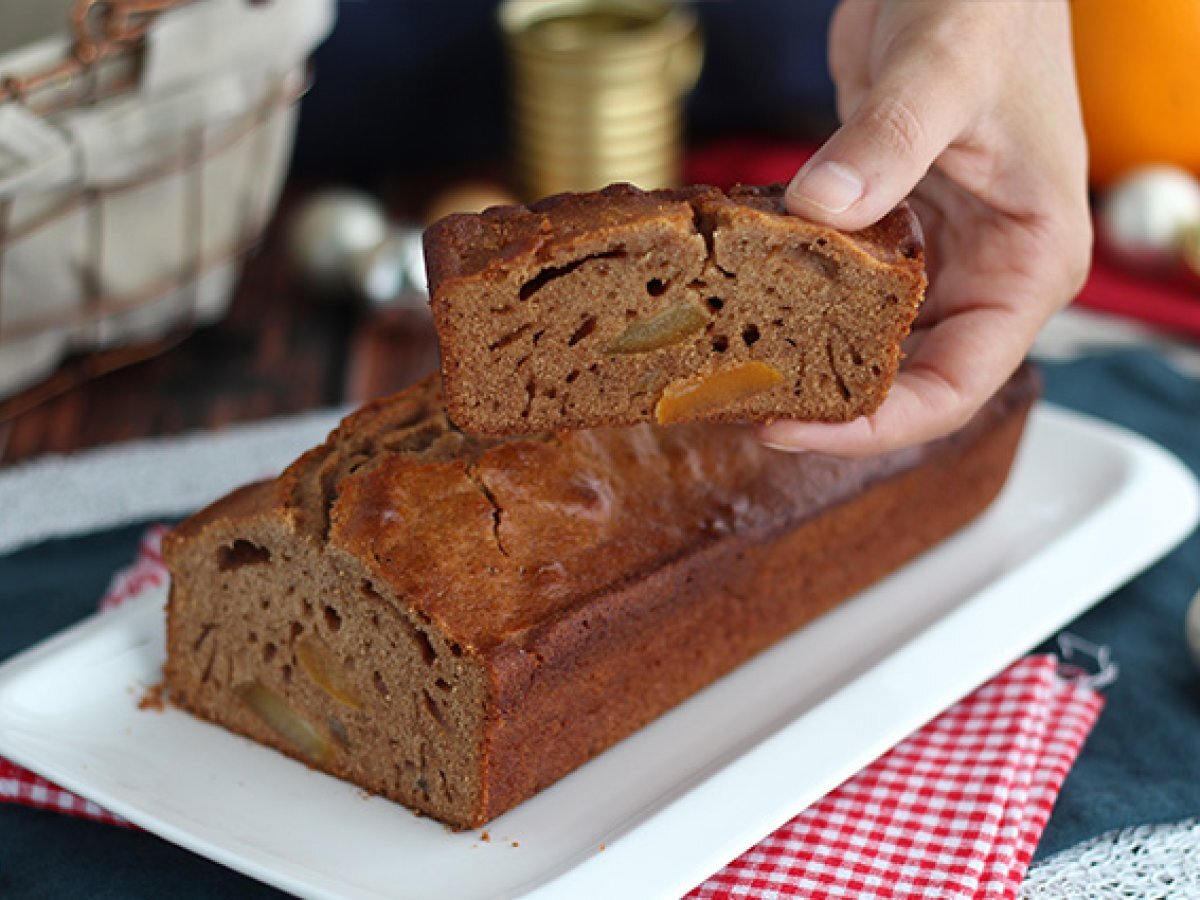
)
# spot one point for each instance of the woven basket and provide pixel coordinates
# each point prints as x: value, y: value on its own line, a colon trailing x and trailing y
x: 142, y: 147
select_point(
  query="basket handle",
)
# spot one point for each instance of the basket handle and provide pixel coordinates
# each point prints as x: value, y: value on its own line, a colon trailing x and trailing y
x: 104, y: 27
x: 100, y: 28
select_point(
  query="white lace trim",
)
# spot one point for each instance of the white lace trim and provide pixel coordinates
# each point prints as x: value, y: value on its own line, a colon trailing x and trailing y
x: 1147, y: 862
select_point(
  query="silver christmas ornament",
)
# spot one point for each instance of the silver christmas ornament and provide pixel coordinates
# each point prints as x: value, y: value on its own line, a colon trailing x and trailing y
x: 1144, y: 216
x: 329, y: 230
x: 343, y: 244
x: 392, y: 273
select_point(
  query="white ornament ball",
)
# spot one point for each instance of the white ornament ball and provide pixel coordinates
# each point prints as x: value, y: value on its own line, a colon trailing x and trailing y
x: 330, y: 231
x: 392, y: 275
x: 1193, y: 627
x: 1145, y: 214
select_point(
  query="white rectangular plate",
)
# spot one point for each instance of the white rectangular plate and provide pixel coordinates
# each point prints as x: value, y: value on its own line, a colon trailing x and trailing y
x: 1087, y: 507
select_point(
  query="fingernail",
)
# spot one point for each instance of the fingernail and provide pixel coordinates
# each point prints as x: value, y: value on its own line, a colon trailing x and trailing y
x: 774, y: 439
x: 783, y: 448
x: 829, y: 186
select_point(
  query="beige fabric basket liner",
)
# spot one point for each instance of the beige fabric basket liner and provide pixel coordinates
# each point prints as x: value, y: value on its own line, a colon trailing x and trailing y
x: 124, y: 217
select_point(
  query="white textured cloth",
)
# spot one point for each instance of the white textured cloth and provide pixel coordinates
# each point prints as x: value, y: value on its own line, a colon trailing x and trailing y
x: 1147, y: 862
x: 57, y: 496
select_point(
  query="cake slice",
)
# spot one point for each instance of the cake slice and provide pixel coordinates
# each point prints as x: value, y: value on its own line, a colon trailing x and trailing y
x: 456, y: 622
x: 622, y: 306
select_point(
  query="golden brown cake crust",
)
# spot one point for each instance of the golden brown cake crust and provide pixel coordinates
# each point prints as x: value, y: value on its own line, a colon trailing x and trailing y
x: 466, y: 245
x: 456, y: 622
x: 622, y: 306
x: 507, y: 533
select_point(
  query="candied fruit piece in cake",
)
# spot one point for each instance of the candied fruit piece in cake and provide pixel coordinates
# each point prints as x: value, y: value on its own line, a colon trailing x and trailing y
x: 583, y: 310
x: 691, y: 398
x: 676, y: 323
x: 319, y: 665
x: 292, y: 727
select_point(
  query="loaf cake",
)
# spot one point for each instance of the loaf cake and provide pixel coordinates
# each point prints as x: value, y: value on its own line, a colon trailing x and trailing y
x: 456, y: 622
x: 623, y: 306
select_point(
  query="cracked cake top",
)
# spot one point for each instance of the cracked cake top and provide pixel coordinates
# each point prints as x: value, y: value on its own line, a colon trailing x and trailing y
x: 488, y: 537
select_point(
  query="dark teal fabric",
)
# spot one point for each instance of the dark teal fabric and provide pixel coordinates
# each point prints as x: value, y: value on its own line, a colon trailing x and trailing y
x: 1142, y: 763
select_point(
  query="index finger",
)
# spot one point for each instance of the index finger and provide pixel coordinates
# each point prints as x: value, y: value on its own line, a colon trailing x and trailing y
x: 958, y: 365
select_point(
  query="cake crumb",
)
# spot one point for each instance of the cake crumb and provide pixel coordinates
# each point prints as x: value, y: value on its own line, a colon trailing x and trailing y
x: 516, y: 843
x: 152, y: 698
x: 485, y: 837
x: 603, y: 848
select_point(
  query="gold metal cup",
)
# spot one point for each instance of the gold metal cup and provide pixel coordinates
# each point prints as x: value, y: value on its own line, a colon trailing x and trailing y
x: 597, y: 91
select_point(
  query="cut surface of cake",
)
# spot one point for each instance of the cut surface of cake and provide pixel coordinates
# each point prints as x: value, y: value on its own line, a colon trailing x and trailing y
x: 622, y: 306
x: 457, y: 622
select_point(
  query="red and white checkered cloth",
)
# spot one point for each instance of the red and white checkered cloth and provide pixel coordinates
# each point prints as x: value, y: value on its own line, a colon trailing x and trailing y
x: 147, y: 571
x: 953, y: 812
x: 19, y: 785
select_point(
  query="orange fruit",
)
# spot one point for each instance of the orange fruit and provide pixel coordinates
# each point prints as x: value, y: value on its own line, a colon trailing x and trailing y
x: 1138, y: 63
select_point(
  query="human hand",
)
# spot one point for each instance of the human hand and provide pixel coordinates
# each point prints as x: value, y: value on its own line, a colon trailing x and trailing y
x: 974, y: 105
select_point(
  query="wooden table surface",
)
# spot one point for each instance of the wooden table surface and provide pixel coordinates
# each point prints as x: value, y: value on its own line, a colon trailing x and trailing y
x: 279, y: 350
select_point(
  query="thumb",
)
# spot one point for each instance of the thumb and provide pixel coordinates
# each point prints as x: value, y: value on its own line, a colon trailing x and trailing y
x: 888, y: 143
